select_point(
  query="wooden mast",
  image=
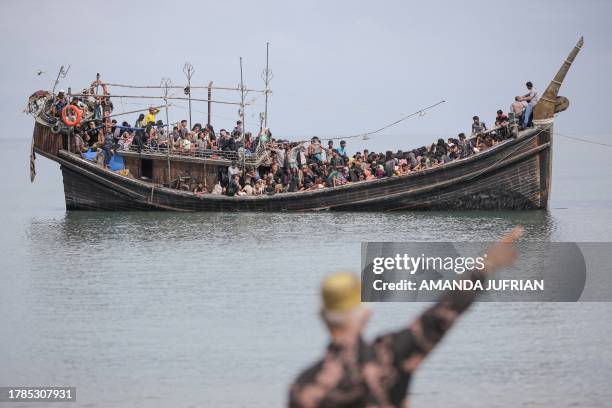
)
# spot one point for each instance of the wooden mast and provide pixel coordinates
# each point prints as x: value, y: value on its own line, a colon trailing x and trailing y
x: 547, y: 105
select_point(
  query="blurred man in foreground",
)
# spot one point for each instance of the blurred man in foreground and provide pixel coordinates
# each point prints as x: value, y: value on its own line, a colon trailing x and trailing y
x: 353, y: 373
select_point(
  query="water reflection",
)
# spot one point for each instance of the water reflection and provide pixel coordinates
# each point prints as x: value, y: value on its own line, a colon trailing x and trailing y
x: 94, y: 228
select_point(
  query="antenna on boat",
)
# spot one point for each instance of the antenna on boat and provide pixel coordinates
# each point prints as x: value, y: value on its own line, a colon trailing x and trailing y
x: 60, y: 75
x: 267, y: 75
x: 242, y: 99
x: 188, y: 70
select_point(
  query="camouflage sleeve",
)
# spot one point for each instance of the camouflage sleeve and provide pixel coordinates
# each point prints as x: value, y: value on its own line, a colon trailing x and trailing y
x: 315, y: 384
x: 407, y: 348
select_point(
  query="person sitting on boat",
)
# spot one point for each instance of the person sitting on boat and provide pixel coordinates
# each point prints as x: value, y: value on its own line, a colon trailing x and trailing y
x: 466, y: 148
x: 233, y: 187
x: 162, y: 135
x: 260, y: 187
x: 248, y: 143
x: 478, y: 126
x: 336, y: 162
x: 209, y: 134
x: 531, y: 97
x: 334, y: 178
x: 227, y: 143
x: 78, y: 144
x: 501, y: 119
x: 217, y: 189
x: 389, y: 164
x: 501, y: 123
x: 150, y: 117
x: 200, y: 189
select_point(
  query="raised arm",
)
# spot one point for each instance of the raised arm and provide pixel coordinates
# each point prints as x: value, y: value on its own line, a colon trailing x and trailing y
x: 410, y: 346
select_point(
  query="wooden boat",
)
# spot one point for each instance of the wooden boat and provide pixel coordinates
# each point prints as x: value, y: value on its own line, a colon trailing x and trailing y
x: 514, y: 174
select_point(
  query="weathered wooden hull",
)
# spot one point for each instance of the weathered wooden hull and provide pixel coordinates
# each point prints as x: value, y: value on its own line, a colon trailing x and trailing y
x: 513, y: 175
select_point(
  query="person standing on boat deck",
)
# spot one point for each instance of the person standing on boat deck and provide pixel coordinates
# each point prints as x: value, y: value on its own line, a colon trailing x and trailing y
x: 109, y: 142
x: 329, y: 152
x: 518, y: 107
x: 232, y: 170
x: 182, y: 128
x: 531, y: 98
x: 342, y: 151
x: 465, y: 146
x: 237, y: 132
x: 478, y: 126
x: 151, y: 116
x: 140, y: 122
x: 59, y: 103
x: 315, y: 150
x: 355, y: 373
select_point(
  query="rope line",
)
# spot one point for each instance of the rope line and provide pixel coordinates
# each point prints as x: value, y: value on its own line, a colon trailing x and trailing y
x: 420, y: 112
x: 578, y: 139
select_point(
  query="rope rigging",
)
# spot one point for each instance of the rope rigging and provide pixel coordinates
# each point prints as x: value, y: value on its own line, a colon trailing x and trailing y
x: 578, y: 139
x: 420, y: 112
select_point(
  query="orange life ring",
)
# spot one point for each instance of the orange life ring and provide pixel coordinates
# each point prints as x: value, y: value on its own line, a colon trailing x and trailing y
x: 75, y: 111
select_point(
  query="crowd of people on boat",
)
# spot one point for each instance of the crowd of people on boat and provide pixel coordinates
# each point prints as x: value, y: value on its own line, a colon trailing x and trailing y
x: 291, y: 166
x: 300, y: 166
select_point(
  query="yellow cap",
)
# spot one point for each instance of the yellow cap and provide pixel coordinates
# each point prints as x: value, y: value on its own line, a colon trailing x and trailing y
x: 341, y: 292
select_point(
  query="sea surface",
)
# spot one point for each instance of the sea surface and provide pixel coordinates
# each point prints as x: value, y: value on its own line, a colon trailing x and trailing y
x: 221, y: 309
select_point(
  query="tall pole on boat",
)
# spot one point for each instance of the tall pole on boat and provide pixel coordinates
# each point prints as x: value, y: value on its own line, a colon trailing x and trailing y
x: 188, y: 71
x: 209, y: 101
x: 166, y: 83
x: 242, y: 99
x: 267, y: 77
x: 60, y: 75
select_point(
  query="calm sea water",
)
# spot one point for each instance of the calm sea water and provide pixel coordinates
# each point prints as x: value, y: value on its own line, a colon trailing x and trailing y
x: 156, y: 309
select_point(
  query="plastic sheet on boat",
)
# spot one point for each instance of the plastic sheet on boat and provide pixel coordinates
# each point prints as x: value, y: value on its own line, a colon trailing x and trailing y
x: 116, y: 163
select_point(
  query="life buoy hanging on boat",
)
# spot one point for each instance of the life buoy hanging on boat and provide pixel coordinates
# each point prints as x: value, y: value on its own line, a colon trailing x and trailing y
x: 76, y: 112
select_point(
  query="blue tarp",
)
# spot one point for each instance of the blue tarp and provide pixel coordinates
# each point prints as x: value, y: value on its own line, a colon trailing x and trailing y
x: 116, y: 163
x: 89, y: 155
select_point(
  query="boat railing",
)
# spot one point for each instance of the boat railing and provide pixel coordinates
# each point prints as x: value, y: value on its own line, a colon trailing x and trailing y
x: 241, y: 156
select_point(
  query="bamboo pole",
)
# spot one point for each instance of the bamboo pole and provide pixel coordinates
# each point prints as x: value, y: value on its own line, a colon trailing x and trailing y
x: 180, y: 98
x: 188, y: 71
x: 242, y: 100
x: 166, y: 82
x: 224, y: 88
x: 210, y: 88
x: 267, y: 83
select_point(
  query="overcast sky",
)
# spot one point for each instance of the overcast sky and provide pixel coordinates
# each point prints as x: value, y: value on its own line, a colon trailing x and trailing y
x: 340, y: 68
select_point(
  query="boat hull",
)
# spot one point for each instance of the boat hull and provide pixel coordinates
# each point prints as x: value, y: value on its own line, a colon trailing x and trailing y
x: 514, y: 175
